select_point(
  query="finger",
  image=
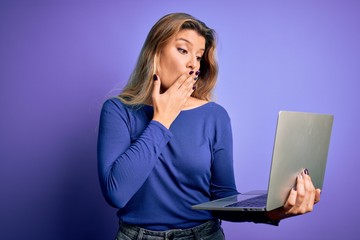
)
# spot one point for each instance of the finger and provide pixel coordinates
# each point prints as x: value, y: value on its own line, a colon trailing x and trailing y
x: 310, y: 205
x: 188, y: 82
x: 188, y: 77
x: 180, y: 81
x: 291, y: 200
x: 192, y: 89
x: 309, y: 191
x: 300, y: 189
x: 187, y: 88
x: 185, y: 93
x: 310, y: 194
x: 191, y: 84
x: 156, y: 86
x: 309, y: 186
x: 317, y: 195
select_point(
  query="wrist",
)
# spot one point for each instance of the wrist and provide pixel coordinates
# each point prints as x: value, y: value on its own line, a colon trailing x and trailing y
x: 162, y: 122
x: 276, y: 214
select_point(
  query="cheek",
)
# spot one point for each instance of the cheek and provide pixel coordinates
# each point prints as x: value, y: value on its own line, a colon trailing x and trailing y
x: 169, y: 64
x: 168, y: 71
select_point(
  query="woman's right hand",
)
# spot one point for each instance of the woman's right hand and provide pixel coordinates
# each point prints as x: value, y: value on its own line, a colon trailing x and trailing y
x: 169, y: 104
x: 300, y: 201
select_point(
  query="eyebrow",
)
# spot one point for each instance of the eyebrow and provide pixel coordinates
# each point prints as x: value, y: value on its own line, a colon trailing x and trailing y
x: 185, y: 40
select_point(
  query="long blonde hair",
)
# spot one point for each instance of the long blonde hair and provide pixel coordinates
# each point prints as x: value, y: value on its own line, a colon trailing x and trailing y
x: 139, y: 87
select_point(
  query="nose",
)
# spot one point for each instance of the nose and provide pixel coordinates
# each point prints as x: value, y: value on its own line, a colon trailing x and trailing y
x: 192, y: 62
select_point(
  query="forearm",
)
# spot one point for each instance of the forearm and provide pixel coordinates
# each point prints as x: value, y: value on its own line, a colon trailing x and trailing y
x: 125, y: 164
x: 121, y: 178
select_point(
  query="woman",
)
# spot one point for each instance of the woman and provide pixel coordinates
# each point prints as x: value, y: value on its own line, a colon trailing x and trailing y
x: 164, y: 146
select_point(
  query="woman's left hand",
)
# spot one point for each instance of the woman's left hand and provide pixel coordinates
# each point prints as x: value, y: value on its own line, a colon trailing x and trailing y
x: 300, y: 201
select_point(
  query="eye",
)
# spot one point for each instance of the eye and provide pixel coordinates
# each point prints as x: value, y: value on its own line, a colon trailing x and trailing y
x: 182, y: 51
x: 198, y: 59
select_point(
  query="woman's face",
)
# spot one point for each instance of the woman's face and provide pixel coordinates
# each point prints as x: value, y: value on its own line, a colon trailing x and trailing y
x: 181, y: 54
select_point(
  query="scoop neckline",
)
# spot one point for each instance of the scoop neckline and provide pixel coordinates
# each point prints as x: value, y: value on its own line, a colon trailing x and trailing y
x: 197, y: 107
x: 187, y: 110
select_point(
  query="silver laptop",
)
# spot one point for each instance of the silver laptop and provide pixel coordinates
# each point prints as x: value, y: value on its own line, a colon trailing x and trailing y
x: 301, y: 141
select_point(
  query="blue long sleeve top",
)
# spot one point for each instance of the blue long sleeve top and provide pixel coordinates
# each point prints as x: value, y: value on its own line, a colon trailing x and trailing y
x: 153, y: 175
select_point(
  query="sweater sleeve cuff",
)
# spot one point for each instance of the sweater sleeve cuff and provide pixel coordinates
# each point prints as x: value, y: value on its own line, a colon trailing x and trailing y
x: 255, y: 217
x: 163, y: 130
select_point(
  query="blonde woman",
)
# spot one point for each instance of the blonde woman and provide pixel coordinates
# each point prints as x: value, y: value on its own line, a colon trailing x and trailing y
x: 164, y: 145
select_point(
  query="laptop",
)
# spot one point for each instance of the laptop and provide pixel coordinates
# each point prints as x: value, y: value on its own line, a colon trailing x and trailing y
x: 301, y: 141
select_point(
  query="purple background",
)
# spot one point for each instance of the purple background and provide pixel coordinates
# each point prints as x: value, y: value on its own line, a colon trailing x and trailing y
x: 61, y: 59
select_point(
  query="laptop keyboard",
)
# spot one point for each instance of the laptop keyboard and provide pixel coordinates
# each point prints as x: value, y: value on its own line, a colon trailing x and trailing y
x: 259, y: 201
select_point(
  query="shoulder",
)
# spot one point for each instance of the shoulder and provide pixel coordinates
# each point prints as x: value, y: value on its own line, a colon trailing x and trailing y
x: 211, y: 114
x: 114, y: 104
x: 219, y: 122
x: 217, y: 107
x: 218, y: 111
x: 114, y: 108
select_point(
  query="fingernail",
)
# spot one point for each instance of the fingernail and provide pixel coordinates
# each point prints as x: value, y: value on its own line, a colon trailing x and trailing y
x: 196, y: 78
x: 194, y: 87
x: 155, y: 77
x: 300, y: 176
x: 306, y: 171
x: 191, y: 72
x: 197, y: 72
